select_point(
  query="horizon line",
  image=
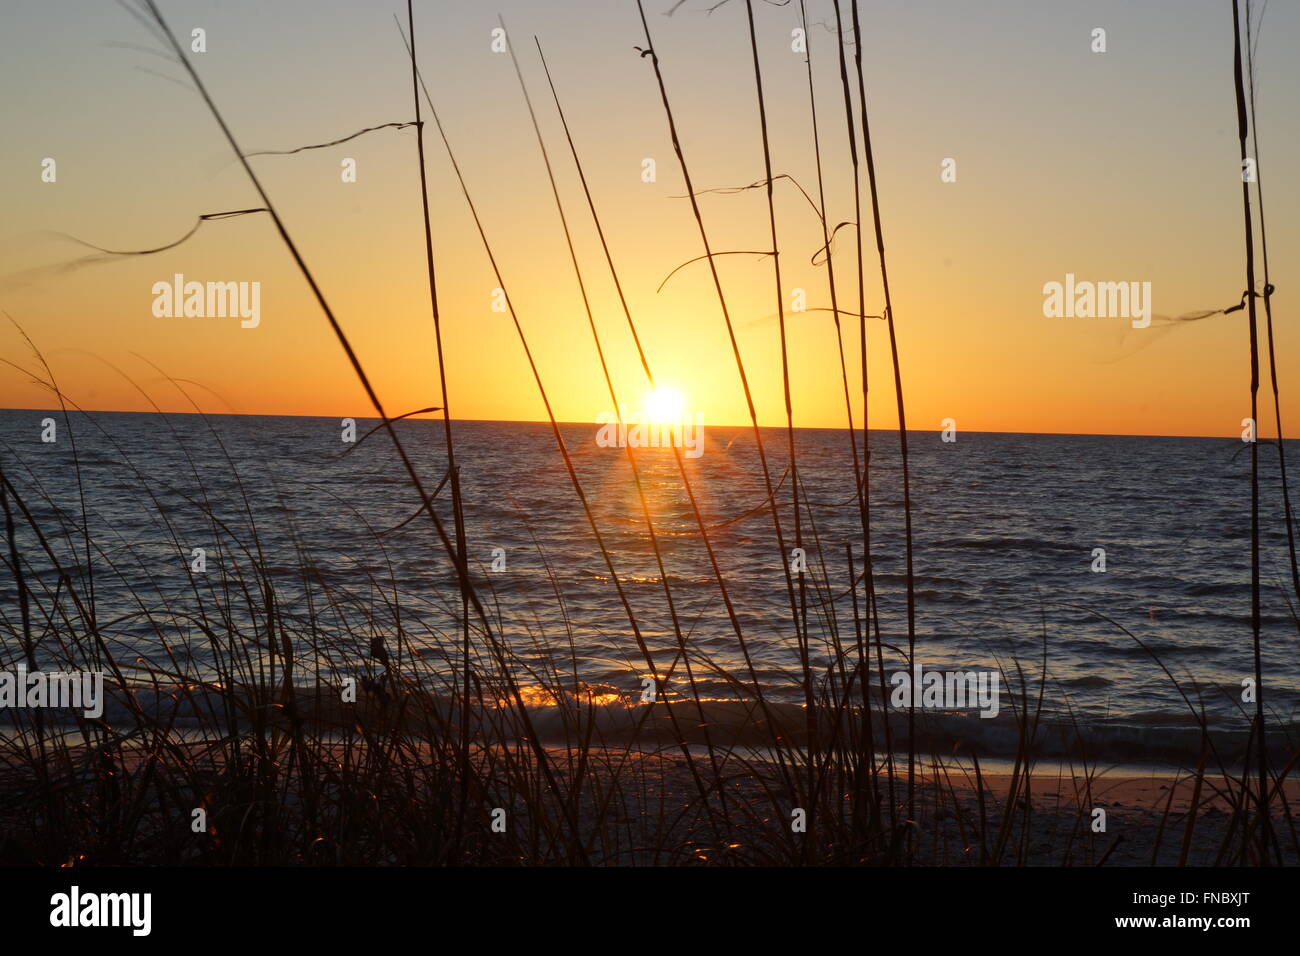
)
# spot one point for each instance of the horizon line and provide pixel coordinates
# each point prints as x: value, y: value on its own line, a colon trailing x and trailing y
x: 532, y: 421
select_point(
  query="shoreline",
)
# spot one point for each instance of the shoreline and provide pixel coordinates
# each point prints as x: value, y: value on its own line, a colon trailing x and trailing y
x: 1174, y: 742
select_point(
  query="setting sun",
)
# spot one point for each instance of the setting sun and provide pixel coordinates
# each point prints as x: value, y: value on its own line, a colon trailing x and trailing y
x: 664, y: 405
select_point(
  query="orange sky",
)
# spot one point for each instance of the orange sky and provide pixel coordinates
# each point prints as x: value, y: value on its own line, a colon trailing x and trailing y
x: 1115, y: 167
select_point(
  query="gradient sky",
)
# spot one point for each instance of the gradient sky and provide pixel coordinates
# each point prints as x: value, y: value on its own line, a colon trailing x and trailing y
x: 1116, y: 166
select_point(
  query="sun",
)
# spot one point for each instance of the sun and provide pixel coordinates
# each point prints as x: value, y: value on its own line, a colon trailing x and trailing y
x: 664, y: 405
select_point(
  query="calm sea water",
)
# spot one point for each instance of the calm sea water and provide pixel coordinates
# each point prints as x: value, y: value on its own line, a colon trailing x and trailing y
x: 1005, y: 530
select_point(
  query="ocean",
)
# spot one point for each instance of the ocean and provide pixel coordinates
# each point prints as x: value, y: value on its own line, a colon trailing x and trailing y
x: 1007, y: 529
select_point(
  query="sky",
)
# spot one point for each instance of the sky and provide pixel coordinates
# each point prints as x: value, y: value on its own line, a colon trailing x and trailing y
x: 1119, y: 166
